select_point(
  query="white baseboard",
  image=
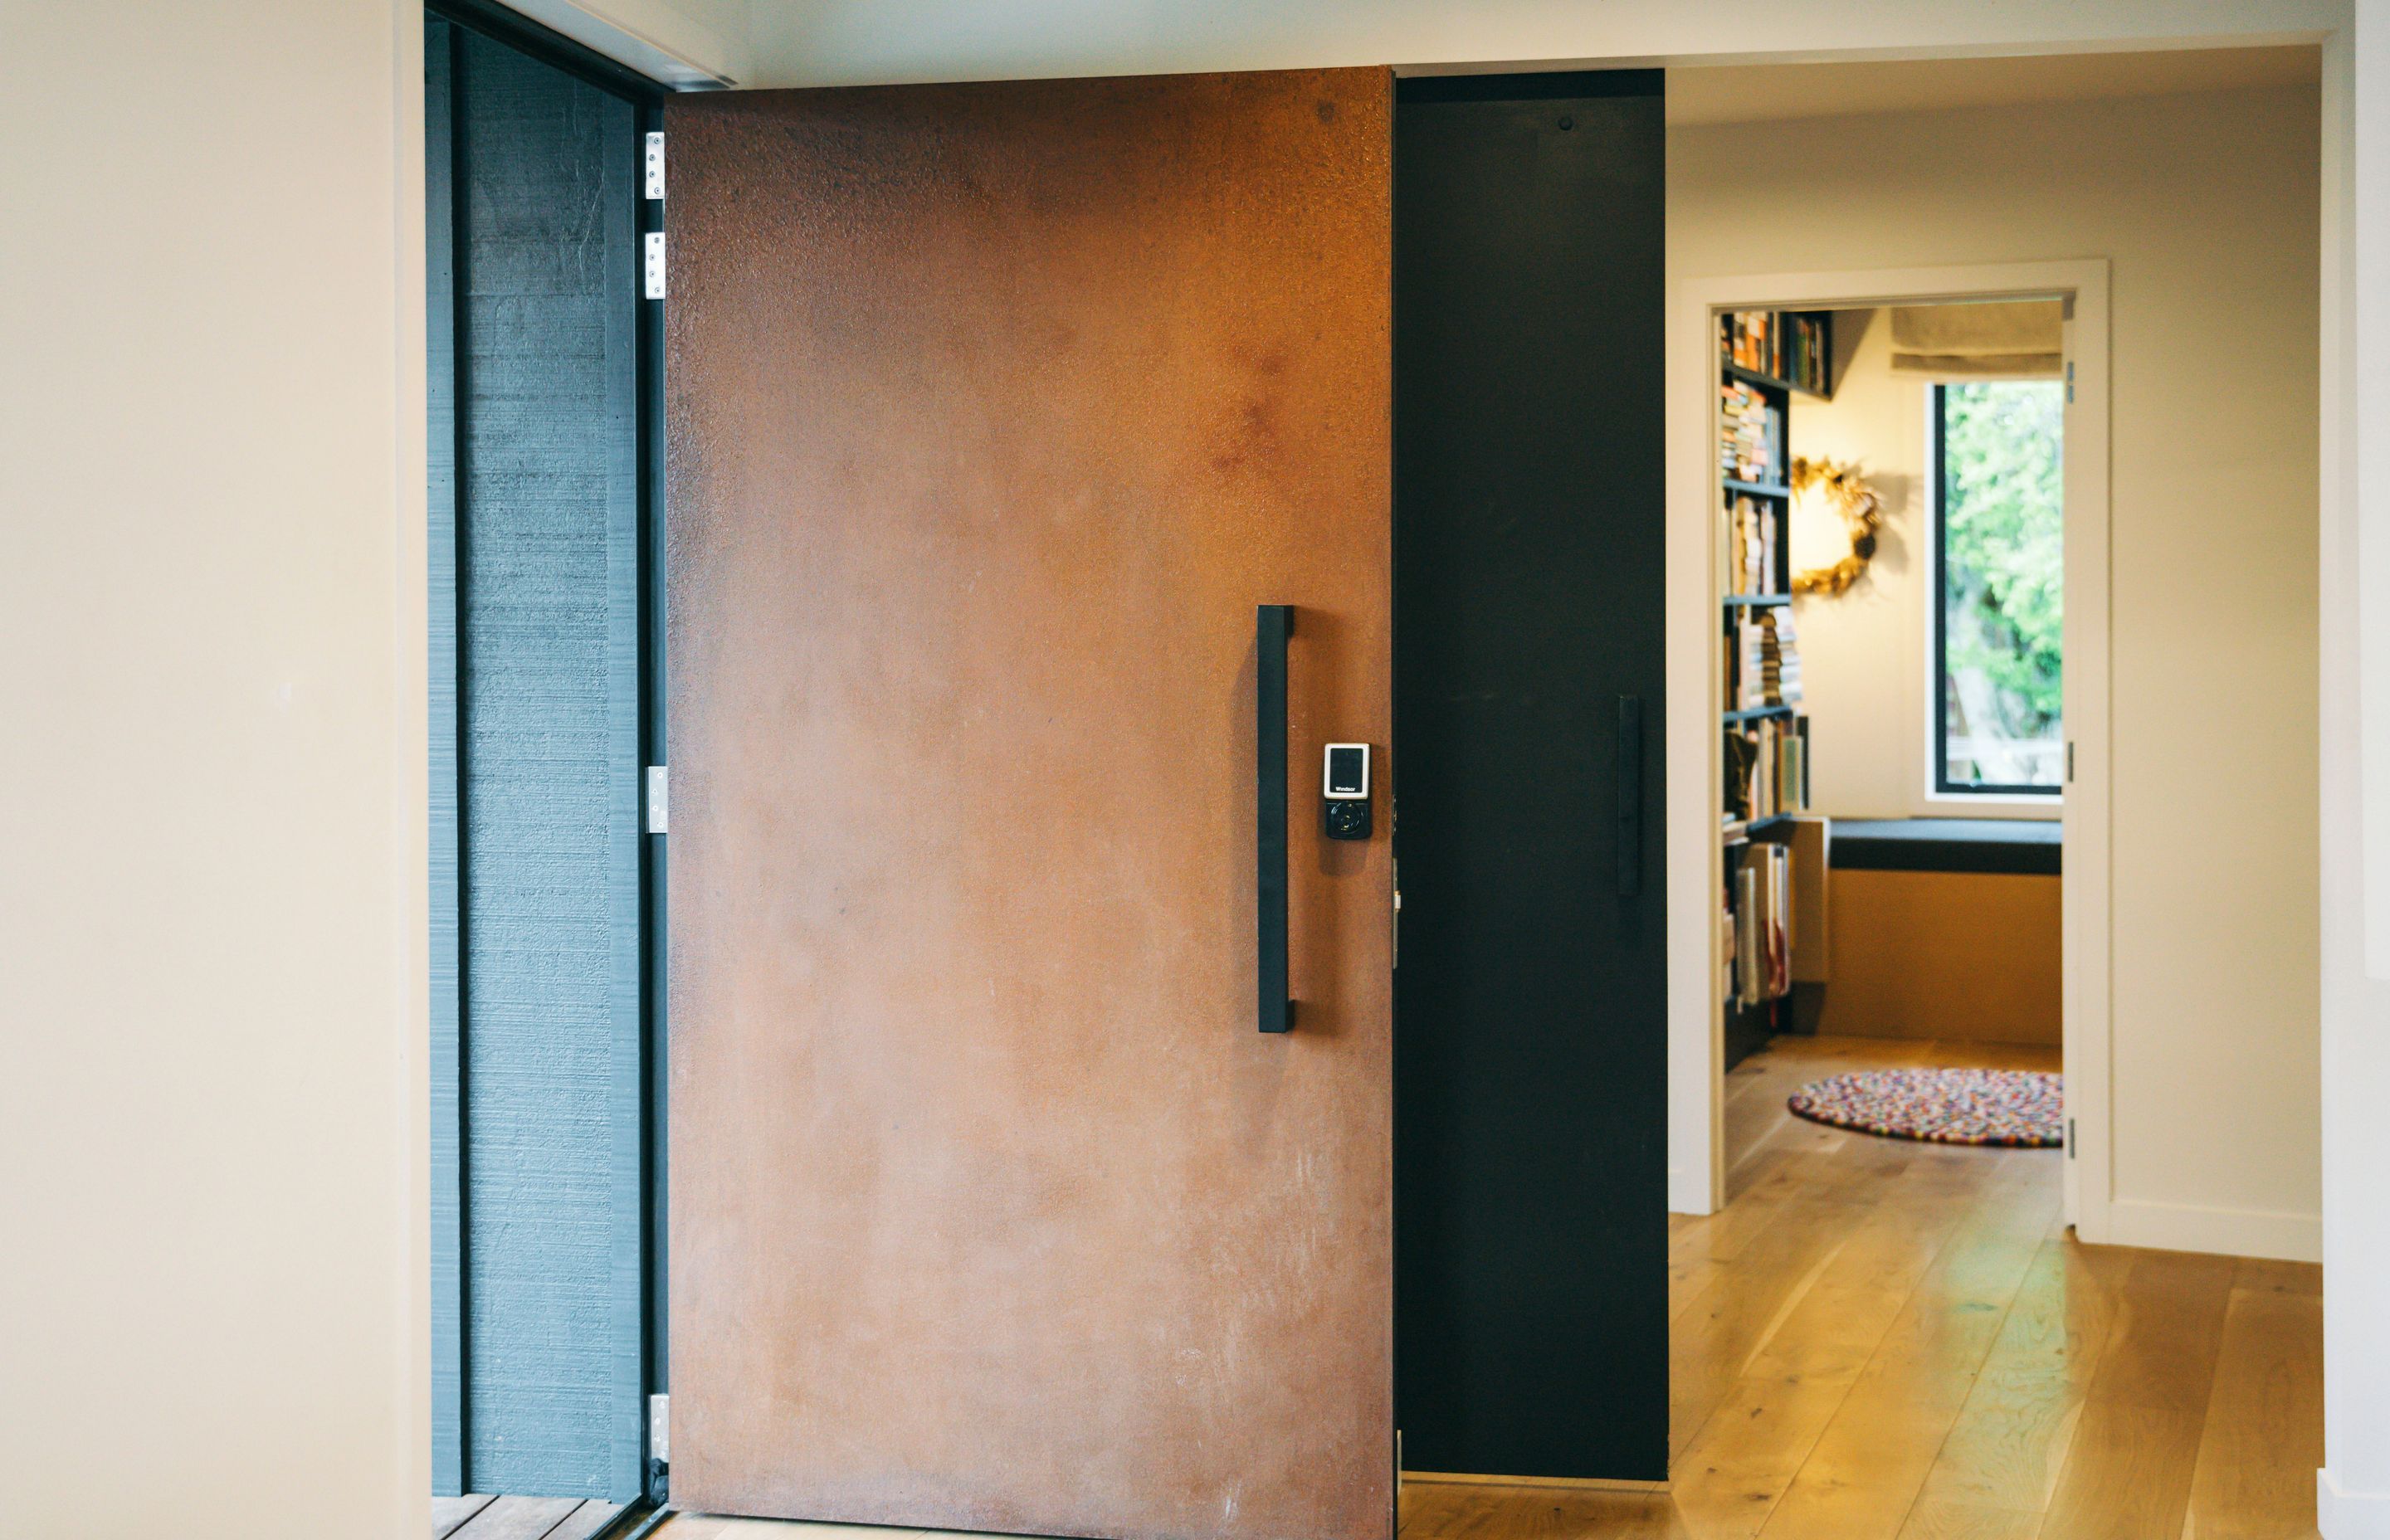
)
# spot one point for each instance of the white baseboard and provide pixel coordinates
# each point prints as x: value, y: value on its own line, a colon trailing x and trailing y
x: 2350, y: 1515
x: 2227, y: 1232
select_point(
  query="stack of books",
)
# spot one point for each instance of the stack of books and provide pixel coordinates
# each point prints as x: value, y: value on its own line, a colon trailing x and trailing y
x: 1757, y: 927
x: 1764, y: 667
x: 1779, y: 658
x: 1747, y: 550
x: 1751, y: 434
x: 1748, y: 339
x: 1766, y: 769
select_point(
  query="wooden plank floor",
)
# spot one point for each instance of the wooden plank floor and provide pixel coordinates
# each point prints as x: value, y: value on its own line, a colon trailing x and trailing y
x: 1884, y: 1340
x: 482, y: 1517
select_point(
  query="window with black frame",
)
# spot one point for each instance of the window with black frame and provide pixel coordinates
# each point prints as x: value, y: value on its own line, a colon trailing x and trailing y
x: 2000, y: 594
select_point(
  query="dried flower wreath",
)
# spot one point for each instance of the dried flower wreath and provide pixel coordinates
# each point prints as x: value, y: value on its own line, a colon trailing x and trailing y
x: 1861, y: 512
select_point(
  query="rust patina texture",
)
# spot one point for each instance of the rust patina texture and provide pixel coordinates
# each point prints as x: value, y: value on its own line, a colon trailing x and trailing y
x: 994, y: 411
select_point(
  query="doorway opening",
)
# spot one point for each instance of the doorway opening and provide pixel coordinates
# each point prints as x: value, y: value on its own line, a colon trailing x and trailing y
x: 1892, y: 587
x: 1855, y: 1317
x: 1892, y: 580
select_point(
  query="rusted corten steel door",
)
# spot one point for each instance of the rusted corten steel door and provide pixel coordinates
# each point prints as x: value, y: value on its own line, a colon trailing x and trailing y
x: 995, y: 411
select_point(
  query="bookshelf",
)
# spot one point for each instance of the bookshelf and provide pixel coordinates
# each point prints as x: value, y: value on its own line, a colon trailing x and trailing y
x: 1764, y: 358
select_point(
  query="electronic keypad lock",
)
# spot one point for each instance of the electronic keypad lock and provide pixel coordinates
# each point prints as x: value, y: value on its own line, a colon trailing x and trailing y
x: 1344, y: 792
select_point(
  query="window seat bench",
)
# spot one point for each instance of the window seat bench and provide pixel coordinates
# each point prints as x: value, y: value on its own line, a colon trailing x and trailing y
x: 1939, y: 927
x: 2021, y: 845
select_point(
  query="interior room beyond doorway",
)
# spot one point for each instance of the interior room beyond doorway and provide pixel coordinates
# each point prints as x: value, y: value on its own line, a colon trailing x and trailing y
x: 1882, y: 1337
x: 1893, y: 584
x: 2192, y: 212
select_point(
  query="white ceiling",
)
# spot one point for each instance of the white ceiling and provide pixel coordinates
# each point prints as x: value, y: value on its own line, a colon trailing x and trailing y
x: 1751, y: 93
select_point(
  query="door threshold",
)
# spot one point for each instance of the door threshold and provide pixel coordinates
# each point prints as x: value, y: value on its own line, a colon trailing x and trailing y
x: 1580, y: 1483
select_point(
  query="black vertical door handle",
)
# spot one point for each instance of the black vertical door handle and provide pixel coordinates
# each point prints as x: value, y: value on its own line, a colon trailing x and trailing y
x: 1630, y: 795
x: 1272, y: 624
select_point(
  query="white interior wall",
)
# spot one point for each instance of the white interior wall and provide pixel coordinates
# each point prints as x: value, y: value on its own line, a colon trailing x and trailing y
x: 2206, y: 206
x: 688, y: 44
x: 214, y: 1296
x: 1859, y: 648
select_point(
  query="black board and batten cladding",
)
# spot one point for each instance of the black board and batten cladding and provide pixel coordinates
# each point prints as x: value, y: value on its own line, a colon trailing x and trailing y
x: 533, y: 211
x: 1530, y: 1062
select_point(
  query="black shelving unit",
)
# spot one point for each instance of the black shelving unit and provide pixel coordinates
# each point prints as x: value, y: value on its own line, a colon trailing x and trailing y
x: 1748, y: 1027
x: 1769, y: 381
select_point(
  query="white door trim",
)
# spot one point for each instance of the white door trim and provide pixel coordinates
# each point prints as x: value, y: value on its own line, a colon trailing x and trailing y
x: 1696, y: 1039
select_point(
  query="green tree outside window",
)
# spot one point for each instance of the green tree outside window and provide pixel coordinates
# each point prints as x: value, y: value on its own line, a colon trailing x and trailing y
x: 2003, y: 574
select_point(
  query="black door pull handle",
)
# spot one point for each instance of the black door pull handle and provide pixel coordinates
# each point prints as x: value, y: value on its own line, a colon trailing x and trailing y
x: 1272, y: 626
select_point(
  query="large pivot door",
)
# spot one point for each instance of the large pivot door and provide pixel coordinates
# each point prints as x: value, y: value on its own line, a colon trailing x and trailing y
x: 995, y: 414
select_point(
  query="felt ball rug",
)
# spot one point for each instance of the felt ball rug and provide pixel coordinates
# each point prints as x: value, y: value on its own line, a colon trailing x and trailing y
x: 2002, y: 1107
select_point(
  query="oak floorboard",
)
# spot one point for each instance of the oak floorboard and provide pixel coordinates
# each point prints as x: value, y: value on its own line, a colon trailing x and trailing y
x: 2005, y: 1452
x: 1797, y: 1167
x: 1756, y: 1089
x: 1714, y: 1341
x: 2278, y: 1277
x: 593, y: 1515
x: 1997, y: 1056
x: 688, y: 1526
x: 2128, y: 1477
x: 2167, y: 1327
x: 1862, y: 1475
x: 1944, y: 1519
x: 1806, y: 1358
x: 2128, y: 1471
x: 2264, y: 1433
x: 518, y: 1519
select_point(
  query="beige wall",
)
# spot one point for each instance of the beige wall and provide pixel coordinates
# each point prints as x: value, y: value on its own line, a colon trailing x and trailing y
x: 1861, y: 656
x: 211, y: 1290
x: 2206, y: 207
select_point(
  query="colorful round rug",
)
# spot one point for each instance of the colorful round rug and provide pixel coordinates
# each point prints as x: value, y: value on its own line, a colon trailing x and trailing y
x: 2004, y: 1107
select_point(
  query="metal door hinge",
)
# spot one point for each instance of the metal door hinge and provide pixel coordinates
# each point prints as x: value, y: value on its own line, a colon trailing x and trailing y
x: 2070, y: 363
x: 2070, y: 1138
x: 659, y: 799
x: 2070, y: 762
x: 654, y: 286
x: 655, y: 165
x: 660, y: 1427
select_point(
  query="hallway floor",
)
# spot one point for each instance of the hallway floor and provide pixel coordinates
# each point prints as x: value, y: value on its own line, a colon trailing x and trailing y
x: 1879, y: 1339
